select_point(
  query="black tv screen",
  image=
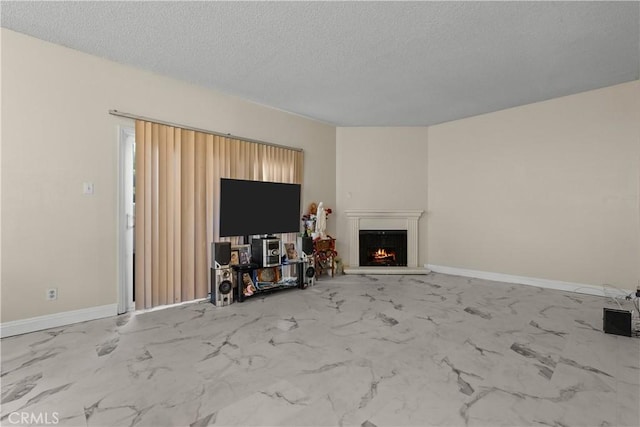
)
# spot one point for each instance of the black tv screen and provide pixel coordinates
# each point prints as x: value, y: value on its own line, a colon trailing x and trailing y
x: 250, y: 208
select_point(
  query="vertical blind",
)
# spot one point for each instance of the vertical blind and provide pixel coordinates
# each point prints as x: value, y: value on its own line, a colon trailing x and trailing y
x: 177, y: 187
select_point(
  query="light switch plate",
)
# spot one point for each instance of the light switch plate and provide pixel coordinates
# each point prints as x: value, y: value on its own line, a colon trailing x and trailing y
x: 87, y: 188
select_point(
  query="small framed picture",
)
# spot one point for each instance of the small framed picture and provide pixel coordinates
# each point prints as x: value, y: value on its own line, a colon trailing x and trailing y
x: 235, y: 257
x: 244, y: 254
x: 291, y: 251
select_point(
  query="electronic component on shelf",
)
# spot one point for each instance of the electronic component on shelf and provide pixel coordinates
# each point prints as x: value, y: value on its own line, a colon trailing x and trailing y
x: 305, y: 245
x: 265, y: 251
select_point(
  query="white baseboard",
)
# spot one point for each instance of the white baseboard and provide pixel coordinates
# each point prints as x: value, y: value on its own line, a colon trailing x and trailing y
x: 603, y: 291
x: 23, y: 326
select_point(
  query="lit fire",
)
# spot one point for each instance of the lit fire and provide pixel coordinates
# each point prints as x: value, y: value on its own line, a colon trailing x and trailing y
x: 381, y: 254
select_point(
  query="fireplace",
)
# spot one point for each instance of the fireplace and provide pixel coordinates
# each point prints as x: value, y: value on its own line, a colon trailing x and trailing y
x: 383, y: 248
x: 404, y: 260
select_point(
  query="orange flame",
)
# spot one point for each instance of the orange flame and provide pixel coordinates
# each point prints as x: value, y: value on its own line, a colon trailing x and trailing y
x: 382, y: 253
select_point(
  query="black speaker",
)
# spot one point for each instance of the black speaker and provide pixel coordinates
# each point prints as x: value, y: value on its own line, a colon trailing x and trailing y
x: 617, y: 322
x: 221, y: 286
x: 305, y: 244
x: 220, y: 253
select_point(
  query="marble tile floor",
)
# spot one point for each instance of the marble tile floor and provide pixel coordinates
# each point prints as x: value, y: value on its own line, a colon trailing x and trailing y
x: 432, y: 350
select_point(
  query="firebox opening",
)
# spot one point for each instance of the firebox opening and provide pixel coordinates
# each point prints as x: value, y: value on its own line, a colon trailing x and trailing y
x: 383, y: 248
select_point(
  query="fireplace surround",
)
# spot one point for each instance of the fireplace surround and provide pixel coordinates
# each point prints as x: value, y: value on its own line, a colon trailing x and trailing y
x: 386, y: 220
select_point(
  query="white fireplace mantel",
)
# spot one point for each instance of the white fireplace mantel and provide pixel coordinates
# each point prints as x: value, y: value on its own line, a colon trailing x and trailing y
x: 372, y: 219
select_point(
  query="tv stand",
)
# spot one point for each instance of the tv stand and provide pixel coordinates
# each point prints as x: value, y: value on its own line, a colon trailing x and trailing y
x: 246, y: 277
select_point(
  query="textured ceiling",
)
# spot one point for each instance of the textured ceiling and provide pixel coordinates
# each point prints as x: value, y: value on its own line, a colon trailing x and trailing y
x: 358, y: 63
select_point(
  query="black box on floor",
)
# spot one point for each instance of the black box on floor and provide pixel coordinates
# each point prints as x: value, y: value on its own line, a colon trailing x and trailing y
x: 617, y: 322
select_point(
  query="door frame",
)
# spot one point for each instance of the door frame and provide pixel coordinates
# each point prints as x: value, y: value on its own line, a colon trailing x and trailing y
x: 126, y: 134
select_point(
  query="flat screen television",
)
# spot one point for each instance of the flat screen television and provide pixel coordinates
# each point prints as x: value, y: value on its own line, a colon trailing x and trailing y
x: 249, y: 208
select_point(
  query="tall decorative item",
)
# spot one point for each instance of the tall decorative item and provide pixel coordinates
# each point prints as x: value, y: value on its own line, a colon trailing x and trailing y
x: 321, y: 221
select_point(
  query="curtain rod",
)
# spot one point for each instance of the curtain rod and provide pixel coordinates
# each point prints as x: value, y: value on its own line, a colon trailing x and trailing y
x: 177, y: 125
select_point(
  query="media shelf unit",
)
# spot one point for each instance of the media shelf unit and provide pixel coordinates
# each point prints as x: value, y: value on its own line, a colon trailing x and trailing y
x: 241, y: 269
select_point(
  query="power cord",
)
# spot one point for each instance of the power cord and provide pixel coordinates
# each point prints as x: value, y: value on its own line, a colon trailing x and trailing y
x: 614, y: 297
x: 635, y: 315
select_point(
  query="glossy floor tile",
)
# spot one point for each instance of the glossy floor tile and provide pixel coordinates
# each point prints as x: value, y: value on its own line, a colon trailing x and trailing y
x: 432, y: 350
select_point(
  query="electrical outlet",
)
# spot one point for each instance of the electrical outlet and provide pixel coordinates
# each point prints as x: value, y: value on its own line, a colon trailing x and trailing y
x: 52, y: 294
x: 87, y: 188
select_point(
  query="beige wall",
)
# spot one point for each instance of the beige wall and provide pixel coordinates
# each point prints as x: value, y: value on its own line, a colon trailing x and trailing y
x: 57, y: 134
x: 381, y: 168
x: 548, y: 190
